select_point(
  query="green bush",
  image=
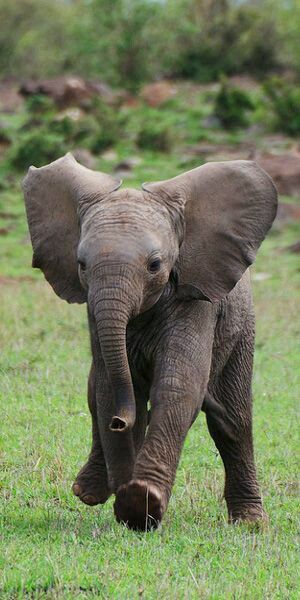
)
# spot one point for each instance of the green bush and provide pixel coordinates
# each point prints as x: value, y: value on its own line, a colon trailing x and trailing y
x: 44, y: 135
x: 155, y: 136
x: 223, y: 36
x: 40, y: 104
x: 284, y: 100
x: 232, y: 105
x: 108, y: 126
x: 64, y: 126
x: 83, y: 132
x: 37, y: 148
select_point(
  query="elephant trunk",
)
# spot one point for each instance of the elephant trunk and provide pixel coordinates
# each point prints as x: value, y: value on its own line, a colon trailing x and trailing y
x: 112, y: 315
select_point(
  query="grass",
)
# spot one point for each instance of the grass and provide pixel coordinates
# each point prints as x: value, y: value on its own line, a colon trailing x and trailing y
x: 52, y: 546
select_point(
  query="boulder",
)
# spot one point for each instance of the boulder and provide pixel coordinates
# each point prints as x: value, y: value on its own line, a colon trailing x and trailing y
x: 70, y: 91
x: 284, y: 170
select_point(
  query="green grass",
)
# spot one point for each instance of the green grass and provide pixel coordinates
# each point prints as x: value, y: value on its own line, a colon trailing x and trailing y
x: 52, y: 546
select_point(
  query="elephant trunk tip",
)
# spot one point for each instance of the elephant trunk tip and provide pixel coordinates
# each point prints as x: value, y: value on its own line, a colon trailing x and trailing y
x: 119, y: 424
x: 125, y: 411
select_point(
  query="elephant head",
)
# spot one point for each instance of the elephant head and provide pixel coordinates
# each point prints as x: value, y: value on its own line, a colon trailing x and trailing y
x: 115, y: 249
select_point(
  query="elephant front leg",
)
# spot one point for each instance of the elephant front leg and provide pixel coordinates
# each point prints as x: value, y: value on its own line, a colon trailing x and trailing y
x: 91, y: 484
x: 118, y: 447
x: 142, y: 502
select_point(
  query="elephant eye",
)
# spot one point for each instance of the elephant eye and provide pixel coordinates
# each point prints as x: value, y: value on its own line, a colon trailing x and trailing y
x: 82, y: 264
x: 154, y: 265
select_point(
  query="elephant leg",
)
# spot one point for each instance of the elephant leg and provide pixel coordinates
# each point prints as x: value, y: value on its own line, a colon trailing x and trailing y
x: 229, y: 418
x: 142, y: 502
x: 176, y: 392
x: 118, y: 447
x: 91, y: 484
x: 142, y: 417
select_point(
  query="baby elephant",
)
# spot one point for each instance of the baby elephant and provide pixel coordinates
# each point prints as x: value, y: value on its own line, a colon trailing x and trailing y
x: 164, y: 273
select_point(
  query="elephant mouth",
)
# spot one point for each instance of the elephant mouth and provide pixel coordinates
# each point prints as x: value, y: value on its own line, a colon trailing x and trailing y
x: 148, y: 308
x: 151, y: 301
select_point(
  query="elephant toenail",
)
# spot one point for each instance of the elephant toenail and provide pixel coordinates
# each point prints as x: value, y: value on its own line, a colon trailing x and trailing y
x: 89, y: 500
x: 76, y: 489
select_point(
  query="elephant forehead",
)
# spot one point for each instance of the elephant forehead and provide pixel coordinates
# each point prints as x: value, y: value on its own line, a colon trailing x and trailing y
x: 109, y: 242
x: 118, y: 213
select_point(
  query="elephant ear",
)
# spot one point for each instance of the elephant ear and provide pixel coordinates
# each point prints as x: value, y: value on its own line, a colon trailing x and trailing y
x: 228, y: 209
x: 53, y: 196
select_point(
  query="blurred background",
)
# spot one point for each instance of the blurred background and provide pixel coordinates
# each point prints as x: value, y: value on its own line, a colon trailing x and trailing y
x: 198, y: 79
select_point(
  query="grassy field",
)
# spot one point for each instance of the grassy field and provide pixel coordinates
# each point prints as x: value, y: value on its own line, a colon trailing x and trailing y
x: 52, y: 546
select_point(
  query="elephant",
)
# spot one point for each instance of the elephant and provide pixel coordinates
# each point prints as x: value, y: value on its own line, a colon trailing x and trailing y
x: 164, y: 271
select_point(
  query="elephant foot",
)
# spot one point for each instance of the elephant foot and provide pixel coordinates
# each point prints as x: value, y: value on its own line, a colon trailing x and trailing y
x: 253, y: 514
x: 139, y: 505
x: 91, y: 485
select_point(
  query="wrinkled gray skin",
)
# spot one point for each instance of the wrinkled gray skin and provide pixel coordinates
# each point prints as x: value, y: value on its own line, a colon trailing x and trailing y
x: 164, y: 272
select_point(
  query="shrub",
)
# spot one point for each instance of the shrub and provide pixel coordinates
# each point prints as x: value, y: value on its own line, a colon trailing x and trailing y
x: 45, y: 136
x: 95, y: 131
x: 37, y: 148
x: 155, y: 136
x: 232, y: 105
x: 41, y: 104
x: 65, y: 127
x: 223, y: 36
x: 284, y: 100
x: 100, y: 141
x: 108, y: 126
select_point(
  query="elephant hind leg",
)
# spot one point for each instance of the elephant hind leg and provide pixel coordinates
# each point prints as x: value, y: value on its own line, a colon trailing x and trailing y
x: 229, y: 418
x: 91, y: 484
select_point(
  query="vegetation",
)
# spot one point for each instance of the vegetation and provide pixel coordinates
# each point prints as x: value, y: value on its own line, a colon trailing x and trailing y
x: 127, y: 42
x: 155, y: 135
x: 232, y: 105
x: 40, y: 132
x: 285, y: 103
x: 37, y: 147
